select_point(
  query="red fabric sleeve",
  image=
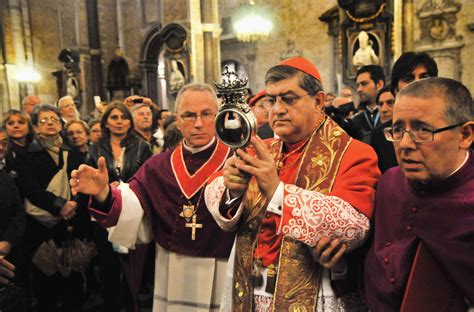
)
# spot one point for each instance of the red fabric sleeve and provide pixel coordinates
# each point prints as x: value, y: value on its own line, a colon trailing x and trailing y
x: 357, y: 177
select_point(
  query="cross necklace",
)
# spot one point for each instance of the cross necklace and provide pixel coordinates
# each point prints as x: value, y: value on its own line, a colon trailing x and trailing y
x: 189, y: 214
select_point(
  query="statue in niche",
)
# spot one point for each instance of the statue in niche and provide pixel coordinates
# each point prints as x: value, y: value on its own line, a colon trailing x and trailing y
x: 117, y: 73
x: 71, y: 70
x: 290, y: 51
x: 365, y: 55
x: 176, y: 77
x: 439, y: 29
x: 72, y: 85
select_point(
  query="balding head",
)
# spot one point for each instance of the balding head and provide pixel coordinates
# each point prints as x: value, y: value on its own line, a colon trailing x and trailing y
x: 29, y: 103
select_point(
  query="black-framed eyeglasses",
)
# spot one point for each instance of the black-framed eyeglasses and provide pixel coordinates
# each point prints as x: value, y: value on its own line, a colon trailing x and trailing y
x: 418, y: 135
x: 288, y: 99
x: 192, y: 117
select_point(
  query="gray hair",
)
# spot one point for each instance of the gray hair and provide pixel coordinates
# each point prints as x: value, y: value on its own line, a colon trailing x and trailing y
x: 68, y: 97
x: 138, y: 106
x: 283, y: 72
x: 196, y: 87
x: 459, y: 107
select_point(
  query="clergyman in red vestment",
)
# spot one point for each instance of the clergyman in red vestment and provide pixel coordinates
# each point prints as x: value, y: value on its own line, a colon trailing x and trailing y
x: 311, y: 187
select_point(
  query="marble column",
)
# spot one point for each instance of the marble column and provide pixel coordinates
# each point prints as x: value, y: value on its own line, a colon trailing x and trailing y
x: 205, y: 40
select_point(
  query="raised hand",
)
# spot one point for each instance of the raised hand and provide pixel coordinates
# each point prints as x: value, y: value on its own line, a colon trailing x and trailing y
x: 262, y: 167
x: 91, y: 181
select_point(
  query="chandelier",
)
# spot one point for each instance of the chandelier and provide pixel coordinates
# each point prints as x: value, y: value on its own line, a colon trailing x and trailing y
x: 27, y: 74
x: 251, y: 24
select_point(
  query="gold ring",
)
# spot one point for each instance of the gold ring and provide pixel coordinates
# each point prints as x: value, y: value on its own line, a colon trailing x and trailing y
x: 234, y: 178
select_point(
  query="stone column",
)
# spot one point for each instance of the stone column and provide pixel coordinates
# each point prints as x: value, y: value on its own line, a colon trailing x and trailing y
x: 408, y: 25
x: 95, y: 51
x: 205, y: 40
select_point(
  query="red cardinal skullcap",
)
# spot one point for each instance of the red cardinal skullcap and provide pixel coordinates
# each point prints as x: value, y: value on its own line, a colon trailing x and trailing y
x: 257, y: 97
x: 304, y: 65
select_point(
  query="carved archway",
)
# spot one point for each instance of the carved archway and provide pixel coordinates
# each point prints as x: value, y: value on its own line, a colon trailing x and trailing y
x: 159, y: 46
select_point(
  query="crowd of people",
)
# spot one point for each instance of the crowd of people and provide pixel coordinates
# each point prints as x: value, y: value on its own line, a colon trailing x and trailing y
x: 336, y: 204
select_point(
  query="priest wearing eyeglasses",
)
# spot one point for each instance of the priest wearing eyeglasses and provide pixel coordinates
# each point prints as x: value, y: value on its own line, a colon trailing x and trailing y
x: 308, y: 193
x: 166, y: 195
x: 421, y: 257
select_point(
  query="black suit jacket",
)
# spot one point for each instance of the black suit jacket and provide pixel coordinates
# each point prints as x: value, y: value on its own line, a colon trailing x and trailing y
x: 35, y: 169
x: 383, y: 148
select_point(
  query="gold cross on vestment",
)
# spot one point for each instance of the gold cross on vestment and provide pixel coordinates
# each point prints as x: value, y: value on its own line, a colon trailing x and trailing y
x: 194, y: 226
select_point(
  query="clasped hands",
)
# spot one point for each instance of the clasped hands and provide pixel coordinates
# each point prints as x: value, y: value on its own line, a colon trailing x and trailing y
x: 239, y: 170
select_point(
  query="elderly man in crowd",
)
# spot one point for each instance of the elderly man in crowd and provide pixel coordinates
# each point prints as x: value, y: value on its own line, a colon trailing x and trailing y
x: 425, y: 206
x: 29, y: 103
x: 310, y: 185
x: 68, y: 109
x: 167, y: 193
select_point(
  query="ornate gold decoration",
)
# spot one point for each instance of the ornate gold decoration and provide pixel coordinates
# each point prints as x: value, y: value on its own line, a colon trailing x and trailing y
x: 365, y: 19
x: 297, y: 307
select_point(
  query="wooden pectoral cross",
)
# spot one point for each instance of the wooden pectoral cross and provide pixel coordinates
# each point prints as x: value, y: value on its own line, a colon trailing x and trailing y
x: 194, y: 225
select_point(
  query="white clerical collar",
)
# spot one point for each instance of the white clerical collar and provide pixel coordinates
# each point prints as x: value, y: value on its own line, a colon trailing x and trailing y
x: 3, y: 163
x: 461, y: 165
x: 195, y: 150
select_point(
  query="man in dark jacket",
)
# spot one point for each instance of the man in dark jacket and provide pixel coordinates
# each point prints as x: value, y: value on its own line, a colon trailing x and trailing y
x: 370, y: 79
x: 12, y: 214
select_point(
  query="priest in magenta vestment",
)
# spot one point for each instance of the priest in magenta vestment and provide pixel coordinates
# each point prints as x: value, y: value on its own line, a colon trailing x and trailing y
x: 165, y: 198
x: 427, y: 201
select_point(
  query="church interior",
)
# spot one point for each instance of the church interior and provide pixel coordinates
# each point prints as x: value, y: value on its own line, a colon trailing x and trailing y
x: 137, y: 132
x: 117, y: 48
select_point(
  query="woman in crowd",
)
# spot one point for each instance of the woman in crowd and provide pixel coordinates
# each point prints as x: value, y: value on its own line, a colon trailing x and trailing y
x: 95, y: 133
x: 19, y: 129
x: 124, y: 153
x: 77, y: 132
x: 53, y: 216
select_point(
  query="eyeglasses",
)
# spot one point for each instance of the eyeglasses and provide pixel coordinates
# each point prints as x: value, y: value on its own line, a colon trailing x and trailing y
x: 288, y: 99
x: 418, y: 135
x: 192, y: 117
x: 47, y: 120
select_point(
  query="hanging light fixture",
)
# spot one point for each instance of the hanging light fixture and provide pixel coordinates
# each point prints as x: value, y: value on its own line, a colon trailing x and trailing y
x: 27, y: 74
x: 251, y: 24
